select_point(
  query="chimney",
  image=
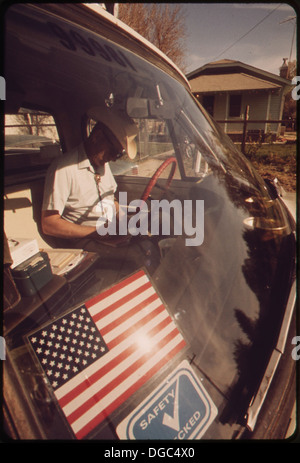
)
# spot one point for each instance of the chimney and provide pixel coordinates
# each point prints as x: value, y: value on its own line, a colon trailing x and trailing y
x: 283, y: 71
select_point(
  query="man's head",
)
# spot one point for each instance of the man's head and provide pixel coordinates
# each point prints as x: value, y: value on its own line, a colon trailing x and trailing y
x: 121, y: 128
x: 102, y: 146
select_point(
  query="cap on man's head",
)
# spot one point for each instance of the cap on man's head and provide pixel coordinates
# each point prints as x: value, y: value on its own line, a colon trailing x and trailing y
x: 121, y: 131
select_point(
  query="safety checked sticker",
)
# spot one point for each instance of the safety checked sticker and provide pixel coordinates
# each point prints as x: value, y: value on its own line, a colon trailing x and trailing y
x: 179, y: 408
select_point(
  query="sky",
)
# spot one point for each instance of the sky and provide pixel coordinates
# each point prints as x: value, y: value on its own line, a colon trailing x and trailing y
x: 253, y: 33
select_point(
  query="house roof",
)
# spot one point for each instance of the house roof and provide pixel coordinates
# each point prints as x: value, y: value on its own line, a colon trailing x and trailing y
x: 230, y: 75
x: 230, y: 82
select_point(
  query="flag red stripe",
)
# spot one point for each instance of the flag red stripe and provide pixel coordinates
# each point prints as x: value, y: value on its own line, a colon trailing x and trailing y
x: 126, y: 316
x: 119, y: 379
x: 121, y: 301
x: 135, y: 327
x: 114, y: 289
x: 121, y: 399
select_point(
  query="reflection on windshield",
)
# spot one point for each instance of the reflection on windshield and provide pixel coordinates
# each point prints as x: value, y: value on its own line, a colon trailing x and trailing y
x: 226, y: 290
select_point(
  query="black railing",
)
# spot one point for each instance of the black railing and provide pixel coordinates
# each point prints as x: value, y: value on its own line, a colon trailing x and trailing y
x: 246, y: 121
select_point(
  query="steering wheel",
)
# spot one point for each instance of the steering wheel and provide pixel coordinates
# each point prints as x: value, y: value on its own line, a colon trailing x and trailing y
x: 154, y: 178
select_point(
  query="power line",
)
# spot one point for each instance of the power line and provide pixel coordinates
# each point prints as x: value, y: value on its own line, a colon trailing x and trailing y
x: 294, y: 32
x: 252, y: 28
x: 292, y: 41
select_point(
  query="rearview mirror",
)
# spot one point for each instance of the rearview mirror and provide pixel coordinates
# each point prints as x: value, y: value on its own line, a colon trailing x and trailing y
x: 137, y: 107
x: 144, y: 107
x: 164, y: 110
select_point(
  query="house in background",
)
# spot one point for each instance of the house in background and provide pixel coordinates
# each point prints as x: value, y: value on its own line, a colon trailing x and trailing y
x: 226, y: 87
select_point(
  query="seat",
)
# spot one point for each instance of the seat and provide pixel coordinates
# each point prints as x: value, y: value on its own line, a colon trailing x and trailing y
x: 22, y: 219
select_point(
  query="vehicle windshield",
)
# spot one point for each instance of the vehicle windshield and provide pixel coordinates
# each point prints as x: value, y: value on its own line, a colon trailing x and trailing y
x: 216, y: 271
x: 111, y: 82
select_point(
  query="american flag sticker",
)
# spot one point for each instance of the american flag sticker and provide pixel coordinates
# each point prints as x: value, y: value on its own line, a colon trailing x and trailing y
x: 96, y: 356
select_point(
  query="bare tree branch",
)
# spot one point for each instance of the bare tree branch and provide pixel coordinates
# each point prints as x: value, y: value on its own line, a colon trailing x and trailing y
x: 160, y: 23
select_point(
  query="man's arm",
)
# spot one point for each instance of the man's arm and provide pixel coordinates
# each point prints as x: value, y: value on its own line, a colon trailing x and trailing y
x: 54, y: 225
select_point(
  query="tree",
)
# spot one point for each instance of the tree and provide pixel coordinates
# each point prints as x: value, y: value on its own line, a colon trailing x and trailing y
x: 160, y: 23
x: 290, y: 105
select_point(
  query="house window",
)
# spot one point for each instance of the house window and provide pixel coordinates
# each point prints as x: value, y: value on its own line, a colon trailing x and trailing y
x: 208, y: 103
x: 235, y: 105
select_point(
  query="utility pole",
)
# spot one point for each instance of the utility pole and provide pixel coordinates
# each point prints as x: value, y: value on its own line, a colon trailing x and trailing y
x: 246, y: 117
x: 293, y: 38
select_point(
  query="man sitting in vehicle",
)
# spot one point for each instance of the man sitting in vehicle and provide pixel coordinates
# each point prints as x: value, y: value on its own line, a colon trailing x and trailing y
x: 80, y: 185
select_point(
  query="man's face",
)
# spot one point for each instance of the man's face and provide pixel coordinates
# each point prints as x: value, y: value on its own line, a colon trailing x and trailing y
x: 99, y: 149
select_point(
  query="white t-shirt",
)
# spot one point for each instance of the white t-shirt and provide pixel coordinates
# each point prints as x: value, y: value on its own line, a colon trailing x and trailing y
x: 71, y: 188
